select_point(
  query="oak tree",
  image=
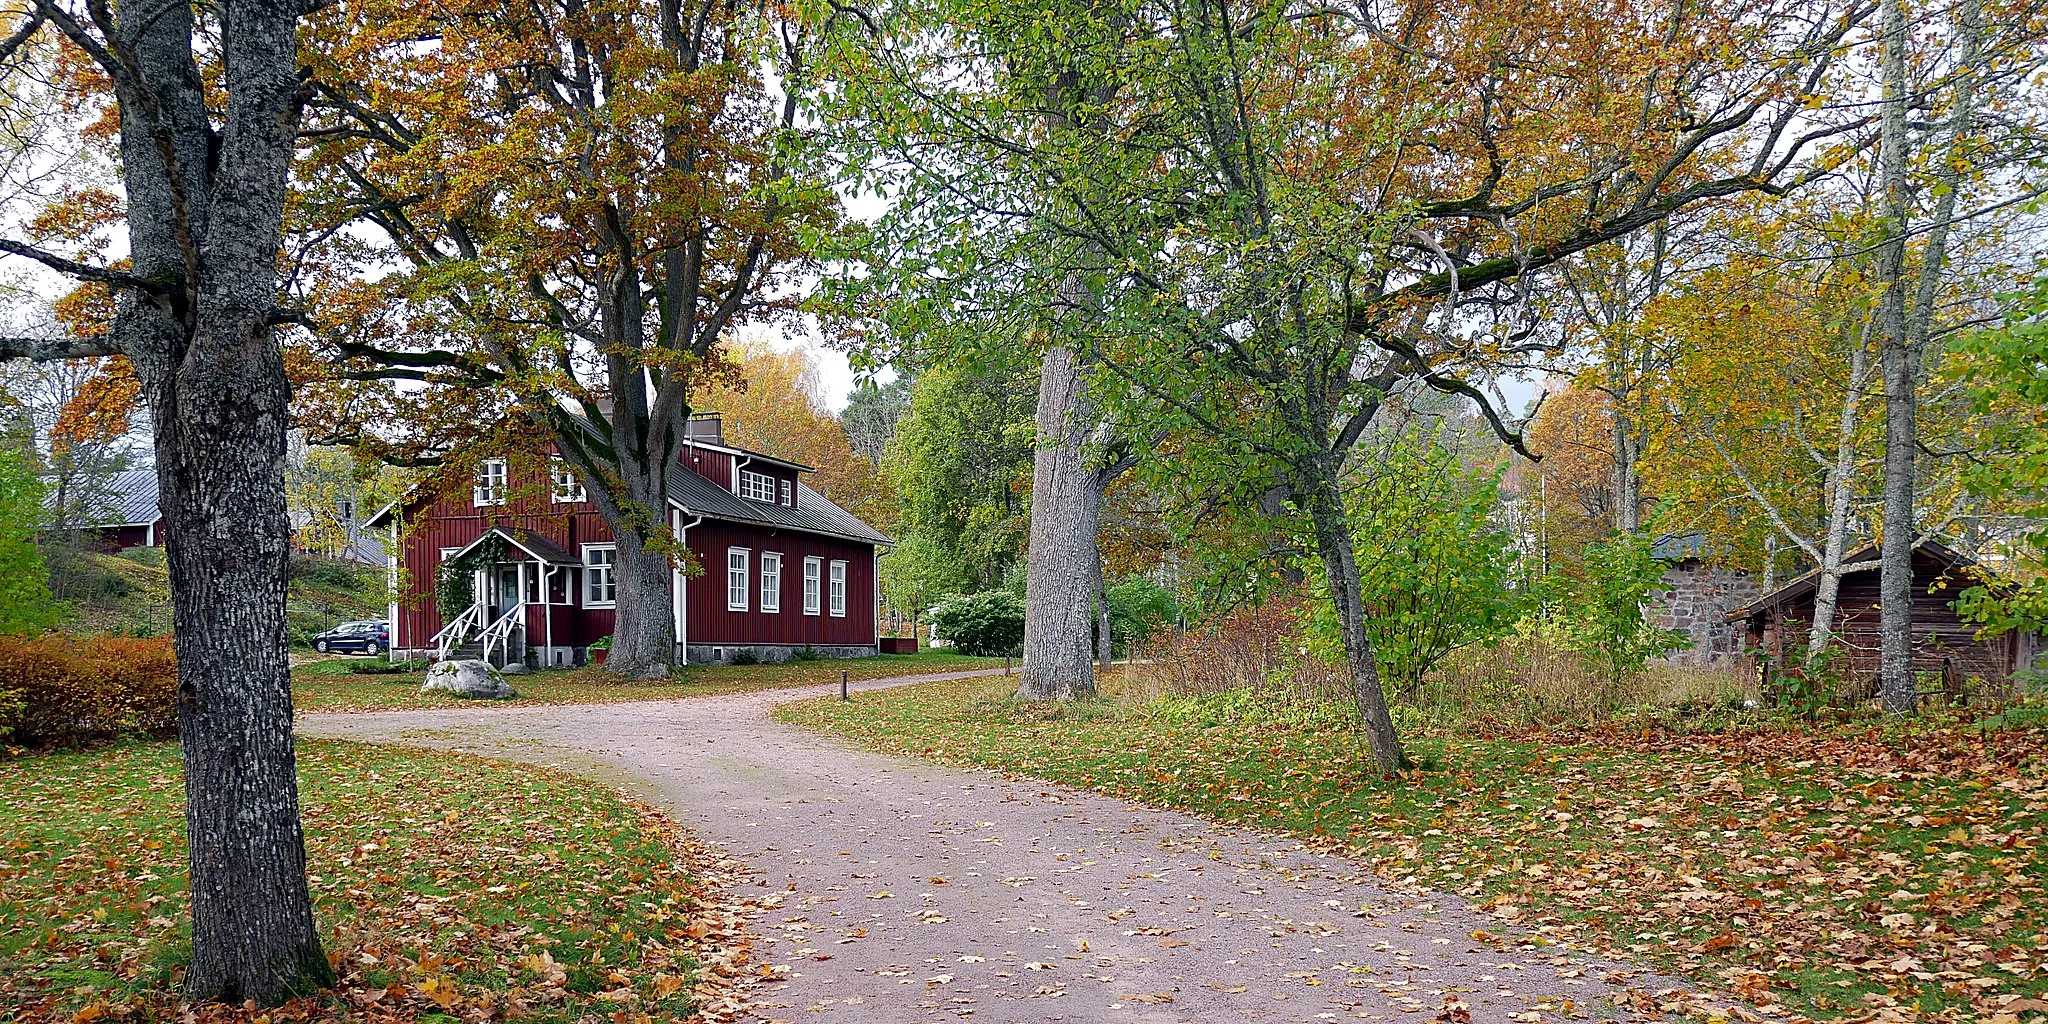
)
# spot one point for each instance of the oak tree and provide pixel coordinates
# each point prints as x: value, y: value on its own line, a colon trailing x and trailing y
x: 204, y: 107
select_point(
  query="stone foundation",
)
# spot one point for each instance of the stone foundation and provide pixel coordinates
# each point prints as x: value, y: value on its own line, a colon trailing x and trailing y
x: 722, y: 654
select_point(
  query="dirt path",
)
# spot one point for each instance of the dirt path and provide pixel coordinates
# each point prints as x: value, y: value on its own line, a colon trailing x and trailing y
x: 914, y: 892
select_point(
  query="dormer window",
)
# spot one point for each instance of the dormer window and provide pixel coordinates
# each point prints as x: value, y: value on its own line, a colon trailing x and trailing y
x: 757, y: 486
x: 490, y: 483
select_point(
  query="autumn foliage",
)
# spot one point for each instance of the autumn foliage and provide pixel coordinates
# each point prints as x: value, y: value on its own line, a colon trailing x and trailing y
x: 58, y: 691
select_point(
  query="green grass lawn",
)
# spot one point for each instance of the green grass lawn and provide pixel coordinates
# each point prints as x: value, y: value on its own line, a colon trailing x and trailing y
x: 444, y: 885
x: 1843, y: 871
x: 332, y: 685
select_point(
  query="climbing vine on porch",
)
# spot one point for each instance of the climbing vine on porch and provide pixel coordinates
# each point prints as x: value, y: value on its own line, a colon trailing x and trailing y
x: 455, y: 581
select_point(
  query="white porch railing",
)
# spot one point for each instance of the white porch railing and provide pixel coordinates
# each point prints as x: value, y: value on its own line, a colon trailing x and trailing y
x: 499, y: 634
x: 458, y: 630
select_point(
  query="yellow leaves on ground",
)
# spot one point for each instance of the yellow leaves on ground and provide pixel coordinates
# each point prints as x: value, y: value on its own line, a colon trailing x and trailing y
x: 446, y: 884
x: 1838, y: 871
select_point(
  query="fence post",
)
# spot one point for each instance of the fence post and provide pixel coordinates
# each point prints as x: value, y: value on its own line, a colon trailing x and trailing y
x: 1006, y: 664
x: 842, y: 685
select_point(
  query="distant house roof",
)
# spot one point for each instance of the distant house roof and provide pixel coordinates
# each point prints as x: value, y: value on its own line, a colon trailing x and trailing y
x: 1863, y: 559
x: 808, y: 510
x: 127, y: 498
x: 1678, y: 547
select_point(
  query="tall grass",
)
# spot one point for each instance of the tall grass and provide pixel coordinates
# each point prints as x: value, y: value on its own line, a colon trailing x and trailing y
x: 1254, y: 662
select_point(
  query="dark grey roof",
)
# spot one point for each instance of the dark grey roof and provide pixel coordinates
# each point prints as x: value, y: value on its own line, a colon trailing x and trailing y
x: 1677, y: 547
x: 1863, y: 559
x: 127, y: 498
x: 809, y: 512
x: 534, y: 544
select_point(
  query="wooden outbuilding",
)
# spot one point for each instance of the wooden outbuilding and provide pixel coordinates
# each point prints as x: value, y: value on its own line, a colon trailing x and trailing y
x: 1946, y: 649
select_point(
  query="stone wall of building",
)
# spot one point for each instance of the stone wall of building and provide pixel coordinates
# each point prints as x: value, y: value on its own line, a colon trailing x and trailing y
x: 1696, y: 600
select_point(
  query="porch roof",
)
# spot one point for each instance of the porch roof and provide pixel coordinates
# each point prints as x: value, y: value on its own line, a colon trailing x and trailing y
x: 541, y: 548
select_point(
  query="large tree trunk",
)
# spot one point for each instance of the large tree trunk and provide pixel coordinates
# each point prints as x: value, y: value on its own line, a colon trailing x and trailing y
x: 1905, y: 329
x: 220, y: 460
x: 643, y: 625
x: 1895, y: 587
x: 643, y: 620
x: 1340, y: 568
x: 1066, y: 505
x: 205, y: 213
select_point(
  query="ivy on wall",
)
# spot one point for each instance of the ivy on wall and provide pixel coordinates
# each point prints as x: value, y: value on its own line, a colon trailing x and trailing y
x: 455, y: 581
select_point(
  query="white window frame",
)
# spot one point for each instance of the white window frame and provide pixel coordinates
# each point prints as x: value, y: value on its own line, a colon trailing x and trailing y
x: 786, y: 493
x: 756, y: 486
x: 836, y: 589
x: 814, y: 584
x: 492, y: 481
x: 737, y: 599
x: 593, y: 571
x: 560, y: 473
x: 771, y: 570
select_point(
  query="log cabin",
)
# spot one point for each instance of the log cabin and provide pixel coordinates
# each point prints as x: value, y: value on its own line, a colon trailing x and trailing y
x: 786, y: 571
x: 1946, y: 649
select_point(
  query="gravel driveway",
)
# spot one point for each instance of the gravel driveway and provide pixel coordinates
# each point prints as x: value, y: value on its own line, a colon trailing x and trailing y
x: 915, y: 892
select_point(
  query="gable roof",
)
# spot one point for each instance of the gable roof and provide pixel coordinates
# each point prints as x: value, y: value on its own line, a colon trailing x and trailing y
x: 127, y: 498
x: 808, y: 511
x: 1863, y: 559
x: 525, y: 540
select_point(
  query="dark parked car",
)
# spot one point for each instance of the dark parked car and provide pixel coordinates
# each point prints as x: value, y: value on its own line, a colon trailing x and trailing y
x: 367, y: 637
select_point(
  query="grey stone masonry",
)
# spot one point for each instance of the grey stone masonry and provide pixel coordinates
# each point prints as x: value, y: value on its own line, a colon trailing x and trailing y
x: 1696, y: 600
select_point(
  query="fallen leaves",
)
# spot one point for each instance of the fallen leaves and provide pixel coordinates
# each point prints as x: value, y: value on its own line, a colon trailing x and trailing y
x: 1801, y: 867
x: 452, y: 885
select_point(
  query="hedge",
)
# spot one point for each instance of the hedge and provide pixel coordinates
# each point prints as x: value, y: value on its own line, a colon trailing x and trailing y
x: 58, y: 691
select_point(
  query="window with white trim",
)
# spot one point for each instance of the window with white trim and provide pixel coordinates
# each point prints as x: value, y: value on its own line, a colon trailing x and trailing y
x: 839, y: 589
x: 771, y: 581
x: 490, y: 483
x: 785, y: 492
x: 736, y: 579
x: 814, y: 570
x: 600, y: 578
x: 568, y: 486
x: 757, y: 486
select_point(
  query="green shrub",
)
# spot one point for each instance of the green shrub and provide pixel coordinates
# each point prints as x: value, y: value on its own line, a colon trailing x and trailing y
x: 78, y: 576
x: 1138, y: 609
x: 985, y: 625
x: 745, y: 656
x: 68, y: 692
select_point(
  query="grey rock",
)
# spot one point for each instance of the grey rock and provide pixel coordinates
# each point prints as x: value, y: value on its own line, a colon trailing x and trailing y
x: 515, y: 669
x: 468, y: 679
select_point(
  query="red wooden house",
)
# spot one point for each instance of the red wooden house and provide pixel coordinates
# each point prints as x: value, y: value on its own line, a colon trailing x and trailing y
x: 785, y: 569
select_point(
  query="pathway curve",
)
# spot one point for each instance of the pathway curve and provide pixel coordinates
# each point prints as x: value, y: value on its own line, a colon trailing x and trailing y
x: 914, y: 892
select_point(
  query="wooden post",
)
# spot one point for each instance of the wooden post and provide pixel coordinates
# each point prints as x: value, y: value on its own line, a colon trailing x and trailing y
x: 842, y: 686
x: 1006, y: 664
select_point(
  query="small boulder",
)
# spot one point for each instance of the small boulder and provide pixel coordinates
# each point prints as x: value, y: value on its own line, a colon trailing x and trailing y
x: 516, y: 668
x: 475, y: 679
